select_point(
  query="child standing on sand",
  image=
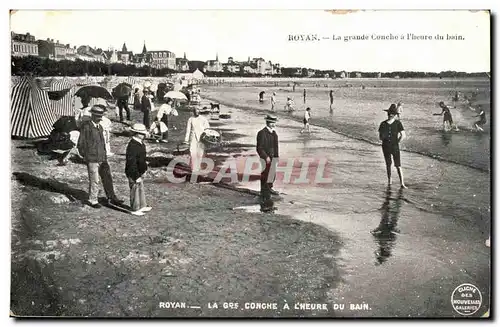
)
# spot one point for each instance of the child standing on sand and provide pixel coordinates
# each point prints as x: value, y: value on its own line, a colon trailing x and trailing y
x: 307, y: 117
x: 135, y: 167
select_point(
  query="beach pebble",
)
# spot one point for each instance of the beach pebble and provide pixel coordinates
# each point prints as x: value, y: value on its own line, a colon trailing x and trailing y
x: 74, y: 240
x: 179, y: 245
x: 51, y: 244
x: 59, y: 198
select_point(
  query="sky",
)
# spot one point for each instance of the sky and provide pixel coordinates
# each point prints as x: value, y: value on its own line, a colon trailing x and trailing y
x: 202, y: 34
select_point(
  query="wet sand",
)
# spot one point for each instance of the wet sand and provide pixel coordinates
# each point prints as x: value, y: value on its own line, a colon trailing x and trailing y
x: 432, y: 234
x: 357, y: 112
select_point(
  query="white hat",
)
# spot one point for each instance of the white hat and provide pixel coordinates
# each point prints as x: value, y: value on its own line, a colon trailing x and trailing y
x: 139, y: 128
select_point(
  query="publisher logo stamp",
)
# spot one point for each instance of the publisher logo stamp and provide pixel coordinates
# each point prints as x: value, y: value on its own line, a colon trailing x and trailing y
x: 466, y: 299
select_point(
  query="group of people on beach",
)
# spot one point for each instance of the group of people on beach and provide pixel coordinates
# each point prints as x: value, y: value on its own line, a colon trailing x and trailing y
x: 448, y: 123
x: 93, y: 146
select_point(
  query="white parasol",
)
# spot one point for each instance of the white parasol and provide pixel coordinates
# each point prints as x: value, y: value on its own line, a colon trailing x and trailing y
x: 176, y: 95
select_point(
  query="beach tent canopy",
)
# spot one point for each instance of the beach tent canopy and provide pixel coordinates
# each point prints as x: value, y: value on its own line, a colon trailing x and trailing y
x: 30, y: 113
x: 62, y: 105
x: 197, y: 74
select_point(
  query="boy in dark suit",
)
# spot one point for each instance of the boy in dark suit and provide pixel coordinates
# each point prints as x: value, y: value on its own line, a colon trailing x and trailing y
x: 135, y: 167
x: 267, y: 148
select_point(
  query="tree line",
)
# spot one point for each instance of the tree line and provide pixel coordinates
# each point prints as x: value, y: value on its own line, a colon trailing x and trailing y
x: 47, y: 67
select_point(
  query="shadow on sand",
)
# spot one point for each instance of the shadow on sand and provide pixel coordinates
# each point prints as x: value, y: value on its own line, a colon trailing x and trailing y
x: 52, y: 185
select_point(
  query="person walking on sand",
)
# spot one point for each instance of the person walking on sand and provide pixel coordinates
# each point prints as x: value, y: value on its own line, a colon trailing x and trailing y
x: 122, y: 104
x: 268, y: 150
x: 391, y: 133
x: 261, y: 96
x: 290, y: 105
x: 92, y: 147
x: 307, y: 116
x: 273, y: 101
x: 135, y: 167
x: 196, y: 125
x: 447, y: 118
x: 162, y: 117
x: 304, y: 96
x: 331, y: 100
x: 146, y: 108
x: 137, y: 100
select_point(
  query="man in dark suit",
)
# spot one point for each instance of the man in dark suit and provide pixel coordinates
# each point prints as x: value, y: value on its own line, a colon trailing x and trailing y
x: 92, y: 147
x: 122, y: 103
x: 146, y: 108
x: 267, y: 148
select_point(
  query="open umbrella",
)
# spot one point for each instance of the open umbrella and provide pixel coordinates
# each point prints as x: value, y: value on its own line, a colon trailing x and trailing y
x: 122, y: 90
x: 175, y: 95
x: 57, y: 95
x: 94, y: 91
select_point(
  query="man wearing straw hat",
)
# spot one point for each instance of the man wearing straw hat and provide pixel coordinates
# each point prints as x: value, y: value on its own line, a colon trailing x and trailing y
x: 135, y: 167
x: 92, y: 147
x: 267, y: 148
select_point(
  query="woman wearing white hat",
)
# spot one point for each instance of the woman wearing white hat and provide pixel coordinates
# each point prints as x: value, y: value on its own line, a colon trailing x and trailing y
x: 135, y: 167
x: 196, y: 125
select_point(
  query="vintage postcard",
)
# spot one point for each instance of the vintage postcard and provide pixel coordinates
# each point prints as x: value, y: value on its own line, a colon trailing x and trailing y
x: 251, y: 163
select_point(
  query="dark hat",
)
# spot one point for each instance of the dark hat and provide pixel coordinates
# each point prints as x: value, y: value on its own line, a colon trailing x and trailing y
x: 271, y: 118
x: 308, y: 108
x: 393, y: 110
x: 98, y: 110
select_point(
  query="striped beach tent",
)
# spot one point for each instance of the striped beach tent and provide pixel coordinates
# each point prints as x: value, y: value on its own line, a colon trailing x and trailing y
x: 132, y: 81
x: 30, y: 112
x: 64, y: 106
x: 14, y: 80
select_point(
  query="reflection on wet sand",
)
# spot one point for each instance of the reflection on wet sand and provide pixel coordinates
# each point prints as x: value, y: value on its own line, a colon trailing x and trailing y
x: 446, y: 138
x: 385, y: 233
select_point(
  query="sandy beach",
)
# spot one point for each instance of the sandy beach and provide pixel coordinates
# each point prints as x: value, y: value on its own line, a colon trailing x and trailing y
x: 205, y: 244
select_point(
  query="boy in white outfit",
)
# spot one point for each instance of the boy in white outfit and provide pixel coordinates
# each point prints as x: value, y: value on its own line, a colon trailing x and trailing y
x: 307, y: 117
